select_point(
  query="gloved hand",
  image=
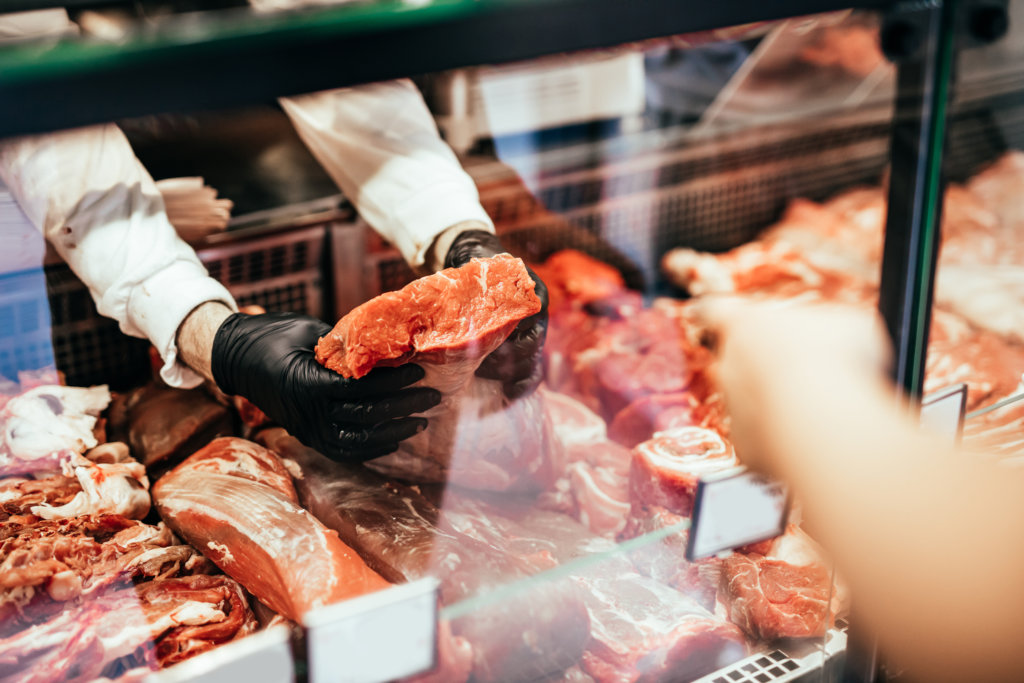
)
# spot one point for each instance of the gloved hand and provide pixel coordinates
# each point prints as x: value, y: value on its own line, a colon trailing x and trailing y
x: 269, y: 360
x: 517, y: 362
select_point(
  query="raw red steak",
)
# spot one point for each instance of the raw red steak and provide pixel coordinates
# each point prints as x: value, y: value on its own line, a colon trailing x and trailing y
x: 665, y: 470
x: 785, y: 594
x: 456, y: 315
x: 448, y: 323
x: 234, y: 500
x: 641, y: 630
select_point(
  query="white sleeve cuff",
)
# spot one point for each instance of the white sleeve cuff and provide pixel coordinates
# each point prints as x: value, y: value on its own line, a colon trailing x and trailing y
x: 158, y: 305
x: 430, y: 212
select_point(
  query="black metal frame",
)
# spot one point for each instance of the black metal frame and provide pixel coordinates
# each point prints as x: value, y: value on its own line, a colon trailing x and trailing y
x: 230, y: 71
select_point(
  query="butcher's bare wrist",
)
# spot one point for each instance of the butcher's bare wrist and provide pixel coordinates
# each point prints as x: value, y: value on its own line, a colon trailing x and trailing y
x: 196, y: 333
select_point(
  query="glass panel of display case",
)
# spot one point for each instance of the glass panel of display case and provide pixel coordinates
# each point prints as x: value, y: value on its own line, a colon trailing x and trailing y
x: 632, y: 181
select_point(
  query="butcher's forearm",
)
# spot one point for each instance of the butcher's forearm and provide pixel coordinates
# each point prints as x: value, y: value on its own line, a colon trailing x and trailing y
x: 195, y: 336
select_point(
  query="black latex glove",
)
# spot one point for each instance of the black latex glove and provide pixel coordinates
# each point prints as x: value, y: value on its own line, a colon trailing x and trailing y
x: 269, y: 360
x: 517, y: 362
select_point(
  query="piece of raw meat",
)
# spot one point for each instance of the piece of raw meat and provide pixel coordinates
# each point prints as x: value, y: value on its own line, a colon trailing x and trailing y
x: 787, y: 593
x: 47, y: 563
x: 642, y: 418
x: 576, y: 279
x: 18, y: 495
x: 448, y: 323
x: 573, y: 422
x: 110, y: 482
x: 666, y: 560
x: 640, y: 629
x: 665, y: 470
x: 396, y: 530
x: 234, y: 501
x: 43, y: 426
x: 154, y: 624
x: 163, y: 425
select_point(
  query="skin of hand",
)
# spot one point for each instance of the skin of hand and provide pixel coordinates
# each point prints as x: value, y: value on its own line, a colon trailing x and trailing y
x: 927, y: 535
x: 269, y: 360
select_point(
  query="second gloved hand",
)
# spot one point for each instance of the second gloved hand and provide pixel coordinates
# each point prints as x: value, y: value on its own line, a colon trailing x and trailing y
x: 269, y: 360
x: 517, y: 363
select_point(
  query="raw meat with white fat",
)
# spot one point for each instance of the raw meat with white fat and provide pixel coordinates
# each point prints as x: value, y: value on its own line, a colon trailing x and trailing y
x: 395, y: 529
x: 448, y: 323
x: 154, y: 624
x: 665, y: 470
x: 787, y: 593
x: 43, y: 426
x: 640, y: 629
x: 45, y: 564
x: 234, y: 501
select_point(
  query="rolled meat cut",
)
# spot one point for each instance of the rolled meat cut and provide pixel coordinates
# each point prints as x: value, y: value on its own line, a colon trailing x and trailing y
x: 665, y: 470
x: 448, y: 323
x: 234, y: 500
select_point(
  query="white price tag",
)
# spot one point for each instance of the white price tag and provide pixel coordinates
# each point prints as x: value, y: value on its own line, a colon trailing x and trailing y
x: 265, y: 656
x: 734, y: 510
x: 377, y: 637
x: 943, y: 411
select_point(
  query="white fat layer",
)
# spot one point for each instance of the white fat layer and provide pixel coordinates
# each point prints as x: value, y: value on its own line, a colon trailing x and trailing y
x: 115, y: 488
x: 33, y: 429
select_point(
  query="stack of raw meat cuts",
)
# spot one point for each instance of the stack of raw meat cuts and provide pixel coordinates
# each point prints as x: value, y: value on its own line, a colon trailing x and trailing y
x: 87, y: 590
x: 832, y: 252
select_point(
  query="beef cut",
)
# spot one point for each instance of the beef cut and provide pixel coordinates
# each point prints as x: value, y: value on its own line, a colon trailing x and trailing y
x: 665, y: 470
x: 640, y: 629
x: 399, y: 533
x: 665, y: 560
x: 645, y: 416
x: 154, y: 624
x: 787, y: 593
x: 448, y: 323
x: 163, y: 425
x: 47, y: 564
x: 234, y: 501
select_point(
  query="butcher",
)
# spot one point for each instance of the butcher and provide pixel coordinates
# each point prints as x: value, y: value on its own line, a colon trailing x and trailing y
x: 85, y: 190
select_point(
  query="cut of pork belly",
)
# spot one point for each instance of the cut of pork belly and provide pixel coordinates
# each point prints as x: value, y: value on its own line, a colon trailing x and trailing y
x: 665, y: 470
x: 235, y: 502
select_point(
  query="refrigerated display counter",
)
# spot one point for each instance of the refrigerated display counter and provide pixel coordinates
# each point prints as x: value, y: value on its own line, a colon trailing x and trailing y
x: 149, y: 533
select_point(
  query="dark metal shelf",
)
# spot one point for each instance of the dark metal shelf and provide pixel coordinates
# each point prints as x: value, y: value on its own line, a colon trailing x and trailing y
x: 235, y: 57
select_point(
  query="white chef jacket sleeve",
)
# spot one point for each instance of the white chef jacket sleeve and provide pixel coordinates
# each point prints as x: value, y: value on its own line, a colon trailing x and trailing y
x: 93, y: 200
x: 380, y: 145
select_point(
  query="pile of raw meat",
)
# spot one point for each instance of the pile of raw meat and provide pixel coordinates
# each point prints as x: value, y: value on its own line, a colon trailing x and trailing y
x: 832, y: 252
x: 89, y: 588
x: 141, y: 530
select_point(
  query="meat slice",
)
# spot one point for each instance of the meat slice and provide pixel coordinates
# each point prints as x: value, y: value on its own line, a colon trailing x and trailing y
x: 576, y: 279
x: 155, y: 624
x: 665, y: 470
x: 163, y: 425
x: 787, y: 593
x: 234, y: 501
x: 398, y: 532
x: 640, y: 629
x: 573, y: 422
x: 448, y: 323
x: 665, y: 560
x: 43, y: 426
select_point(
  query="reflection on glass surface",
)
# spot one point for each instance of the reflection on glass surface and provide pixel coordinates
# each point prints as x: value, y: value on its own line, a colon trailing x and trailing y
x: 631, y: 181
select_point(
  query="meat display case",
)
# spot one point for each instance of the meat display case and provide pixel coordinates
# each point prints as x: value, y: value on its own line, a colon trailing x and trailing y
x: 583, y: 574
